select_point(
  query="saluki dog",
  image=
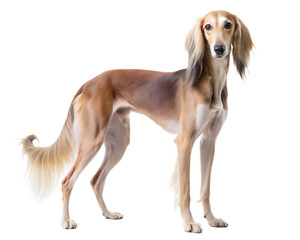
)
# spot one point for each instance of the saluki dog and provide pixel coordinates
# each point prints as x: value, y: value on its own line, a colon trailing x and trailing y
x: 189, y: 102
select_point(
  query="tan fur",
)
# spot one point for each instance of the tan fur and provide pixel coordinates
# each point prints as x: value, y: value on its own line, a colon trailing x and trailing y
x: 45, y: 164
x: 195, y: 45
x: 242, y: 45
x: 190, y: 102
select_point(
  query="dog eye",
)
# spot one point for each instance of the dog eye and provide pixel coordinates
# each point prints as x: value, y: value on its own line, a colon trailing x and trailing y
x: 227, y: 25
x: 208, y: 27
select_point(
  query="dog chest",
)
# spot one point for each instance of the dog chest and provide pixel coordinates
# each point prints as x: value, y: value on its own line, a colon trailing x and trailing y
x: 205, y: 116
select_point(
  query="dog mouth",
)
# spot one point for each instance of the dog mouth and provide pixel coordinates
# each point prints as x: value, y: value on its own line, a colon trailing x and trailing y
x: 219, y: 56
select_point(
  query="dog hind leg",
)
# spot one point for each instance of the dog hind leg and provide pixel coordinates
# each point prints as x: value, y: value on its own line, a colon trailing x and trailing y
x: 116, y: 142
x: 91, y: 135
x: 83, y: 158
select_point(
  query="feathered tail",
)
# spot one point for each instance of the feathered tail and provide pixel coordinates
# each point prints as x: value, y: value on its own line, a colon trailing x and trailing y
x: 46, y: 164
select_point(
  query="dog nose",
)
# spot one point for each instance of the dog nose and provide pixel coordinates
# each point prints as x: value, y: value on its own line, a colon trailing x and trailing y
x: 219, y: 49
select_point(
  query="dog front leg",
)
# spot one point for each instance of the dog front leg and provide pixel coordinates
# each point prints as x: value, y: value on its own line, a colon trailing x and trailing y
x: 207, y: 149
x: 184, y: 147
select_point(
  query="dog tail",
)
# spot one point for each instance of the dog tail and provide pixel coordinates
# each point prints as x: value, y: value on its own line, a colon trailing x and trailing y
x: 46, y: 164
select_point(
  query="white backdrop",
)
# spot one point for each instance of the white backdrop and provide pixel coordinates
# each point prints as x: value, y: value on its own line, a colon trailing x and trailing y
x: 48, y: 49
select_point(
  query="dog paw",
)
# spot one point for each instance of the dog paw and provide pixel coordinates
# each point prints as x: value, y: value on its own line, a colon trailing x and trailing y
x: 192, y: 227
x: 69, y: 224
x: 113, y: 215
x: 217, y: 222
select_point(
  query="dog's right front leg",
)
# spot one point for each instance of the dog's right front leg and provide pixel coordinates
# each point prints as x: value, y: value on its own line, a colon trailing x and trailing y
x: 184, y: 148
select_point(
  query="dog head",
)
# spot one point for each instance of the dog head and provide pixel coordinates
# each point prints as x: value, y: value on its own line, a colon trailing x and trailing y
x: 215, y: 34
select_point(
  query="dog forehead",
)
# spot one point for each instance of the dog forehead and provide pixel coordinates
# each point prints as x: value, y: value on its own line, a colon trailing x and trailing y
x: 217, y: 17
x: 224, y: 16
x: 211, y: 18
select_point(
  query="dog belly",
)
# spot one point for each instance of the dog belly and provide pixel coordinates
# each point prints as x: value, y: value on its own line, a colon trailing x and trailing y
x: 171, y: 126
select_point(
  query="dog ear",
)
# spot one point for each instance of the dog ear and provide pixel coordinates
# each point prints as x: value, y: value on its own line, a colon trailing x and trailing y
x: 195, y: 46
x: 242, y: 45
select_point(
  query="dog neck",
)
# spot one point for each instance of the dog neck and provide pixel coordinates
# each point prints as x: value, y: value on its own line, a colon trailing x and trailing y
x: 217, y: 70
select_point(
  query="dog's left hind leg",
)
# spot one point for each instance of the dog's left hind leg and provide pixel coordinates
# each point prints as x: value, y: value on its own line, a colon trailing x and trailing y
x: 91, y: 134
x: 85, y: 155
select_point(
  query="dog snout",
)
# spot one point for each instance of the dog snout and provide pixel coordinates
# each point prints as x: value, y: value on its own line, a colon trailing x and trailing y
x: 219, y: 50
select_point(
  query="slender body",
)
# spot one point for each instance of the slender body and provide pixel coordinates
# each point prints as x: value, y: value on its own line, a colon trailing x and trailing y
x: 189, y: 102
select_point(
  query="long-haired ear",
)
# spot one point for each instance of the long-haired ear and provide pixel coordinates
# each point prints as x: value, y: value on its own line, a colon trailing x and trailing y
x: 242, y: 45
x: 195, y: 46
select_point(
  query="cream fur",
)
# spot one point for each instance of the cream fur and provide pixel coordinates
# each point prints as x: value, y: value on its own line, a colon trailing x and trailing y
x: 46, y: 164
